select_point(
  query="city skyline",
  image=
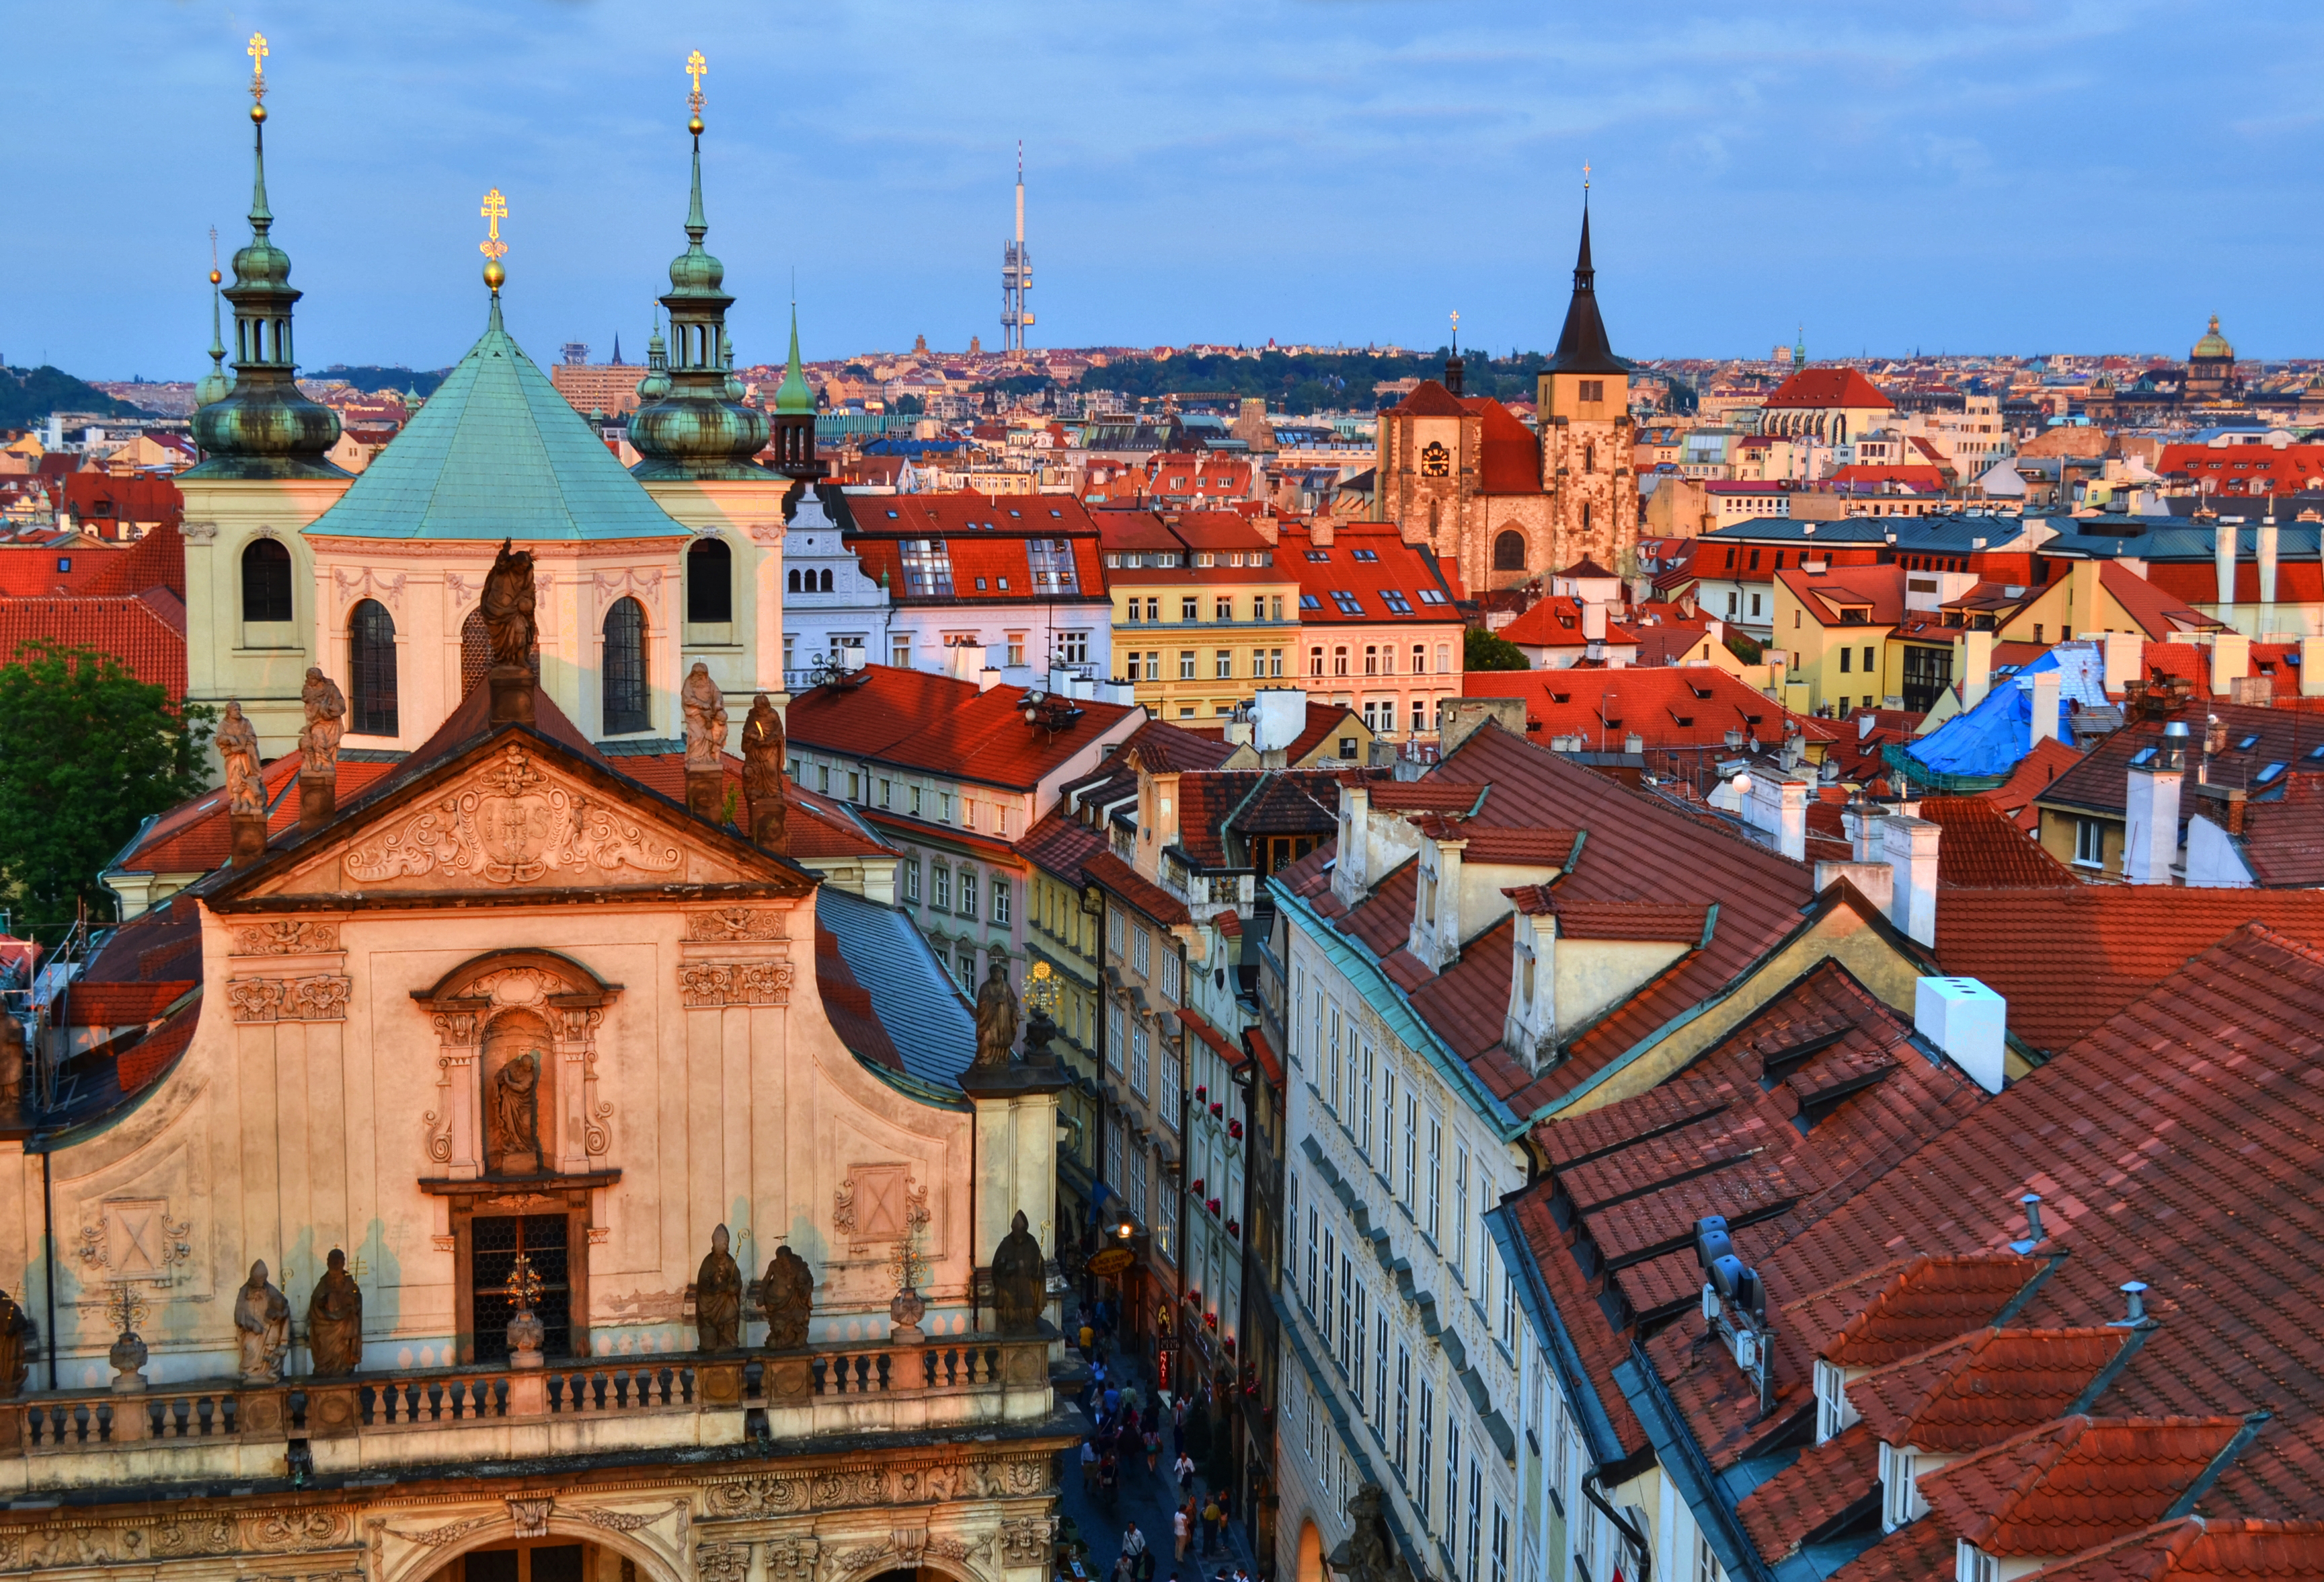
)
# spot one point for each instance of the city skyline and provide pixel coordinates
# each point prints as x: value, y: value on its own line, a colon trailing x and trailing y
x: 1950, y: 186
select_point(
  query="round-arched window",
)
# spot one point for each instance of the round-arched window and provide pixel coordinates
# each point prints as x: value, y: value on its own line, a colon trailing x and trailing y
x: 1509, y: 551
x: 371, y: 649
x: 266, y: 581
x: 709, y: 582
x: 624, y: 668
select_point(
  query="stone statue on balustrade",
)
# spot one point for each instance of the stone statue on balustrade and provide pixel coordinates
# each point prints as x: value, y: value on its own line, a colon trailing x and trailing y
x: 718, y: 1298
x: 335, y: 1322
x: 262, y: 1315
x: 787, y: 1296
x: 327, y: 713
x: 996, y: 1018
x: 237, y: 749
x: 762, y: 776
x: 704, y: 709
x: 507, y: 607
x: 1020, y: 1281
x: 1367, y: 1554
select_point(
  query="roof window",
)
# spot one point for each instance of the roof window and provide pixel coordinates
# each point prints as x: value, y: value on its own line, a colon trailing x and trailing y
x: 2268, y: 775
x: 1058, y: 514
x: 1429, y: 595
x: 2141, y: 758
x: 1365, y: 554
x: 1395, y: 601
x: 1319, y: 556
x: 1308, y: 601
x: 1350, y: 604
x: 2249, y: 743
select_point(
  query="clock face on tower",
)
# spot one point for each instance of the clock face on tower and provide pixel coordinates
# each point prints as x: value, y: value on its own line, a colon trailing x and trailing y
x: 1436, y: 461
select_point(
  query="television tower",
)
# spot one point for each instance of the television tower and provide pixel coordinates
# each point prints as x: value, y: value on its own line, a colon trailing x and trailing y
x: 1016, y: 273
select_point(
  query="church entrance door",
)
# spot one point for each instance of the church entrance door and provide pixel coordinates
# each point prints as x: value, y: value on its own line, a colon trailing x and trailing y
x: 494, y: 1243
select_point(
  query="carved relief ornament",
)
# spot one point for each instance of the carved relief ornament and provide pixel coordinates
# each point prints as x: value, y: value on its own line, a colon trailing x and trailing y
x: 322, y: 998
x: 733, y: 923
x: 704, y: 983
x: 290, y: 937
x: 512, y: 825
x: 886, y: 1484
x: 364, y: 583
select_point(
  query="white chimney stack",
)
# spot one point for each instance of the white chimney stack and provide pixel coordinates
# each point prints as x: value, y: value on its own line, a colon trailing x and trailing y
x: 1278, y: 714
x: 2044, y: 689
x: 1976, y: 668
x: 2267, y: 550
x: 1968, y: 1022
x: 2311, y: 666
x: 2151, y: 840
x: 1350, y: 860
x: 1910, y: 846
x: 2223, y: 569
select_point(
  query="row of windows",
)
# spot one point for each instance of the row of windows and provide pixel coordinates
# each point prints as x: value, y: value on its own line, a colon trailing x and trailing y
x: 266, y: 581
x: 941, y: 891
x: 373, y: 706
x: 1263, y: 607
x: 1379, y: 660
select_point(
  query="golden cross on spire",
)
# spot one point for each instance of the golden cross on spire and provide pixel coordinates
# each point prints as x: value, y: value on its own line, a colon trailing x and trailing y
x: 696, y: 66
x: 1585, y: 178
x: 257, y: 52
x: 495, y: 209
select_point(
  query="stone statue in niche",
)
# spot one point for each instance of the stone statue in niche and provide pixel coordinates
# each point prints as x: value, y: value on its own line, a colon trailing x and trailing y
x: 787, y: 1296
x: 762, y: 776
x: 237, y: 748
x: 16, y: 1338
x: 704, y: 709
x: 507, y: 607
x: 512, y: 1146
x: 1019, y: 1282
x: 335, y: 1322
x: 261, y: 1317
x: 718, y: 1298
x: 996, y: 1019
x: 327, y: 713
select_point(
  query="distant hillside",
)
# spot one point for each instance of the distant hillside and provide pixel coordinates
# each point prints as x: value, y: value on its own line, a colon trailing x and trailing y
x: 28, y: 395
x: 1312, y: 380
x: 371, y: 378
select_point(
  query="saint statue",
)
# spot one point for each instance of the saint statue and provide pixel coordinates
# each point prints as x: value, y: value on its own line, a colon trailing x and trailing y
x: 1021, y: 1283
x: 1367, y: 1553
x: 507, y: 607
x: 16, y: 1334
x: 718, y: 1298
x: 262, y: 1316
x: 705, y: 718
x: 996, y: 1019
x: 513, y: 1116
x: 787, y: 1296
x: 327, y: 710
x: 762, y: 773
x: 237, y: 746
x: 335, y: 1322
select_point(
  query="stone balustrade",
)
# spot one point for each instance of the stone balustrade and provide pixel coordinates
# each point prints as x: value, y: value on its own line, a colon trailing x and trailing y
x: 404, y: 1418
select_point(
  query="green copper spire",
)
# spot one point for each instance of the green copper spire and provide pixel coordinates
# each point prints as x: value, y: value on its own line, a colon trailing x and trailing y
x: 693, y: 423
x: 265, y: 427
x: 213, y: 385
x: 794, y: 394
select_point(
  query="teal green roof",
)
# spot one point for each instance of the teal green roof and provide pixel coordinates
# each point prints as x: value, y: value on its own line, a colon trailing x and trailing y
x: 497, y: 453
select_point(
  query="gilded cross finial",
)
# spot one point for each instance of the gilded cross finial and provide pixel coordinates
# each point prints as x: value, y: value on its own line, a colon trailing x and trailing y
x: 257, y: 52
x: 1585, y: 178
x: 495, y: 209
x: 696, y: 66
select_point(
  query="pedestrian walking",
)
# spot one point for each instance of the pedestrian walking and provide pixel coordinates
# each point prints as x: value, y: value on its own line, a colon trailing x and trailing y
x: 1133, y: 1542
x: 1153, y: 1448
x: 1183, y: 1469
x: 1209, y: 1521
x: 1178, y: 1533
x: 1088, y: 1339
x: 1089, y: 1467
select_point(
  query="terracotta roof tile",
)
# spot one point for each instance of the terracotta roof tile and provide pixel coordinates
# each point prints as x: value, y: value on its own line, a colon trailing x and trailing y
x: 146, y: 632
x: 1669, y: 922
x: 1827, y: 387
x: 1984, y: 1387
x: 2014, y: 796
x: 2283, y: 838
x: 1982, y: 849
x: 1919, y: 1552
x: 2195, y: 1549
x: 1669, y: 706
x: 2074, y: 1483
x: 116, y: 1005
x: 1931, y: 1300
x: 938, y: 725
x: 1106, y: 869
x: 1829, y: 1482
x: 1409, y: 571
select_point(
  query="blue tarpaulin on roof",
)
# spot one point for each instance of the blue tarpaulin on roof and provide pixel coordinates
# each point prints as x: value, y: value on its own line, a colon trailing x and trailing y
x: 1987, y: 742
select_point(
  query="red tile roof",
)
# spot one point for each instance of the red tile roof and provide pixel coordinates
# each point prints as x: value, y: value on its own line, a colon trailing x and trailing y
x: 819, y: 827
x: 1430, y: 399
x: 1555, y: 622
x: 1986, y: 1386
x: 2076, y: 1483
x: 146, y: 632
x: 2066, y: 959
x: 115, y: 1004
x: 2283, y: 838
x: 1669, y: 706
x: 1879, y: 590
x: 1827, y: 388
x: 1409, y: 571
x: 848, y: 1004
x: 1508, y: 460
x: 1981, y: 850
x: 2014, y: 796
x: 984, y: 536
x: 1828, y: 1481
x: 31, y: 570
x: 2157, y: 613
x: 1109, y: 871
x: 158, y: 560
x: 1931, y: 1300
x: 1920, y: 480
x: 2197, y: 1549
x: 938, y: 726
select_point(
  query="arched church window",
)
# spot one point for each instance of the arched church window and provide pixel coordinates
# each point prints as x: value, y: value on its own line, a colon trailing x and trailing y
x: 709, y: 582
x: 266, y: 581
x: 1589, y: 457
x: 624, y: 668
x: 371, y: 643
x: 475, y: 652
x: 1508, y: 551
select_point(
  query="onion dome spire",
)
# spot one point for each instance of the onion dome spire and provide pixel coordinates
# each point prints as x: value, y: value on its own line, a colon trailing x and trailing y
x: 794, y: 394
x: 695, y: 424
x: 214, y: 385
x: 656, y: 384
x: 265, y: 427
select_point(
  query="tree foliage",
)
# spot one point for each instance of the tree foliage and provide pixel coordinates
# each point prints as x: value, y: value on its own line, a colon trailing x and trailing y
x: 28, y: 395
x: 1742, y: 646
x: 1485, y: 651
x: 87, y: 753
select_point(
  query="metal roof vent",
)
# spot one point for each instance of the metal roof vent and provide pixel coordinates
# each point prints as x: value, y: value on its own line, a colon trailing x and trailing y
x: 2035, y: 1236
x: 2134, y: 1293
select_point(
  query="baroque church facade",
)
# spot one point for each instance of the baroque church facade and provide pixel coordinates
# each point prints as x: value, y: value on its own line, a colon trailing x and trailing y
x: 1464, y: 477
x: 479, y: 1179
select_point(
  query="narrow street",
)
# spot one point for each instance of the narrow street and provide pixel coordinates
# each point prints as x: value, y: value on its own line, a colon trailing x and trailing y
x: 1148, y: 1499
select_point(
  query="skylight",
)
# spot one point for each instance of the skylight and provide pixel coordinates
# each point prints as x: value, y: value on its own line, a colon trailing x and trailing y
x: 2268, y: 774
x: 2249, y: 743
x: 1319, y: 556
x: 1429, y: 595
x: 2142, y: 757
x: 1395, y: 601
x: 1365, y: 554
x: 1350, y: 604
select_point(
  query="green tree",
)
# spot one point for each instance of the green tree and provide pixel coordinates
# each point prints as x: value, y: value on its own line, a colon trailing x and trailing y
x: 1741, y: 646
x: 87, y: 753
x: 1485, y: 651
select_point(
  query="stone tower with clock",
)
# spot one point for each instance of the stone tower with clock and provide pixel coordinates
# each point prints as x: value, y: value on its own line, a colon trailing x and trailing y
x: 1584, y: 403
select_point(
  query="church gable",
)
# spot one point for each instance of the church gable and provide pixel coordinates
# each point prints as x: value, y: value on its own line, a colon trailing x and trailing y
x: 516, y: 815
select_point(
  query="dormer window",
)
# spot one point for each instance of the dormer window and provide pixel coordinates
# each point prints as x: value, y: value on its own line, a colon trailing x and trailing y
x: 1972, y: 1563
x: 1900, y: 1501
x: 1833, y: 1412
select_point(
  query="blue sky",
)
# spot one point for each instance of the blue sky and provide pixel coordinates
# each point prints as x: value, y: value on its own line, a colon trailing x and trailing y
x: 2008, y: 174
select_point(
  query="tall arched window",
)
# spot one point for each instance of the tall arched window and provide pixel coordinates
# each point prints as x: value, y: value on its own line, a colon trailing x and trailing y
x: 1589, y: 457
x: 625, y: 669
x: 371, y: 644
x: 1508, y: 553
x: 709, y: 582
x: 827, y: 581
x: 794, y: 579
x: 266, y: 581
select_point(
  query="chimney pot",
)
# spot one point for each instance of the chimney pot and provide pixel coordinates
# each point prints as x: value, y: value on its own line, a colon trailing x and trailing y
x: 2135, y: 1294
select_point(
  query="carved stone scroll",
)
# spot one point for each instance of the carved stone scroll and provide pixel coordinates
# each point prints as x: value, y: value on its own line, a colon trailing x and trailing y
x: 320, y: 998
x: 512, y: 825
x: 733, y: 923
x: 290, y: 937
x: 708, y: 984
